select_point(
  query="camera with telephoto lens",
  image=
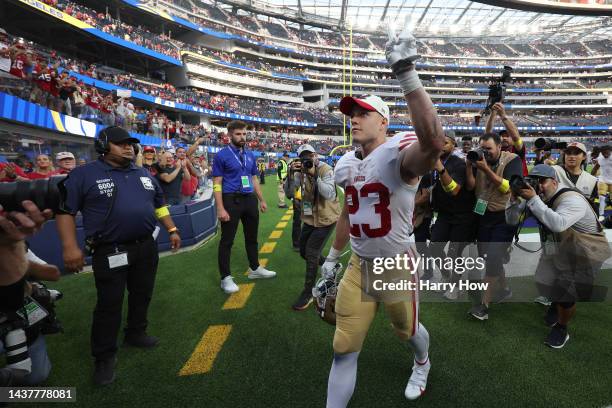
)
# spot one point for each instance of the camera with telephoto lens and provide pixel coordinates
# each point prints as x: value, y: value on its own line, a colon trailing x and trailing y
x: 547, y: 144
x: 16, y: 326
x: 497, y: 90
x: 46, y: 298
x: 307, y: 163
x: 475, y: 155
x: 45, y: 193
x: 13, y: 336
x: 518, y: 182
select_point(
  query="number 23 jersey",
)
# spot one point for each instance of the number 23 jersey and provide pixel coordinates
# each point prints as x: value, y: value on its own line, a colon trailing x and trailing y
x: 380, y: 203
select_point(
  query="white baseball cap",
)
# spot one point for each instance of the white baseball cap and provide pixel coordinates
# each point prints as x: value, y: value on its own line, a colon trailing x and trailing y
x: 64, y: 155
x: 305, y: 148
x: 371, y: 103
x: 577, y: 145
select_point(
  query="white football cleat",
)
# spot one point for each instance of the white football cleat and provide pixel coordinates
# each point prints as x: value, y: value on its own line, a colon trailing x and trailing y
x: 228, y: 285
x: 418, y: 380
x: 260, y: 273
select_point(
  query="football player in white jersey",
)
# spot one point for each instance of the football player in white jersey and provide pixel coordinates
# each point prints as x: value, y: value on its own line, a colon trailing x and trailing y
x: 380, y: 183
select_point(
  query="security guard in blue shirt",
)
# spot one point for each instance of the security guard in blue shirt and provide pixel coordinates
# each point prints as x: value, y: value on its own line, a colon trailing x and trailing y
x: 234, y: 182
x: 120, y: 204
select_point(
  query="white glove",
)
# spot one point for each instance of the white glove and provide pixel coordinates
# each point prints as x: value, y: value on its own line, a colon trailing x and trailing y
x: 401, y: 52
x: 327, y: 269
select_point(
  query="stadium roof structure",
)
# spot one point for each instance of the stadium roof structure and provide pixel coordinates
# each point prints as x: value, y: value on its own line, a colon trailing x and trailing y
x: 449, y: 18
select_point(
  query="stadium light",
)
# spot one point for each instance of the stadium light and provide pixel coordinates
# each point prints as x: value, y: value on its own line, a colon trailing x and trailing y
x: 434, y: 28
x: 454, y: 28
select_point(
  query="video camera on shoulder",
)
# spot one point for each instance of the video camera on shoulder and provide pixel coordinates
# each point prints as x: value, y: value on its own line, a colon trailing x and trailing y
x: 548, y: 144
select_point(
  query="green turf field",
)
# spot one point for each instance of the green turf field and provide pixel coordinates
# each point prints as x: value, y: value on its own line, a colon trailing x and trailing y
x: 275, y: 357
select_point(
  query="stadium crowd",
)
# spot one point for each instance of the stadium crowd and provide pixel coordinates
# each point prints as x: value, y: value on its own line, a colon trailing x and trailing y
x: 51, y: 83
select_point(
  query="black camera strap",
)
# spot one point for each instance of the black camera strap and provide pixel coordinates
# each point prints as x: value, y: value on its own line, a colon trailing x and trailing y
x: 542, y: 227
x: 565, y: 190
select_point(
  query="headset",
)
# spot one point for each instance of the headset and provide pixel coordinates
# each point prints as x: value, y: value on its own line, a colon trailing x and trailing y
x: 101, y: 142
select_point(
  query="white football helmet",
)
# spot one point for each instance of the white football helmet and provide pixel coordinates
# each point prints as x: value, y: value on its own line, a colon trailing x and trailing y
x: 324, y: 294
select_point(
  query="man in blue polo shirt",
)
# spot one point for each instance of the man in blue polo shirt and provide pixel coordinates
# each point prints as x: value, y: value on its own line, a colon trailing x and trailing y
x: 120, y: 204
x: 237, y: 190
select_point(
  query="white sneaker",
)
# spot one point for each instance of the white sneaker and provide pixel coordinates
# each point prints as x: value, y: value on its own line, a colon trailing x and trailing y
x: 543, y: 300
x: 451, y: 294
x: 260, y: 273
x: 418, y: 380
x: 228, y: 285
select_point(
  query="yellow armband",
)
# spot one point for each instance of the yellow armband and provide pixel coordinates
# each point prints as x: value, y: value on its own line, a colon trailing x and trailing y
x: 217, y: 187
x: 161, y: 212
x: 518, y: 144
x: 504, y: 187
x: 450, y: 186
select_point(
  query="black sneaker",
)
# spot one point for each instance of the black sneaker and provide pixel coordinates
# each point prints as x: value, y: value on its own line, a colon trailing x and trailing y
x: 504, y: 294
x: 303, y: 302
x: 480, y: 312
x: 552, y: 316
x: 557, y: 337
x: 104, y: 373
x: 6, y: 377
x: 140, y: 340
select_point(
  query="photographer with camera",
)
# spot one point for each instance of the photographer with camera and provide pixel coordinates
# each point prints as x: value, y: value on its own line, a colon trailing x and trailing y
x: 510, y: 138
x: 574, y: 245
x: 293, y: 191
x: 25, y: 364
x: 488, y: 172
x: 320, y: 212
x: 120, y: 204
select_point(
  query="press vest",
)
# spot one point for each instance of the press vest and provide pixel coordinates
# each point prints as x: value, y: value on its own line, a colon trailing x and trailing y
x: 576, y: 247
x: 489, y: 192
x: 324, y: 212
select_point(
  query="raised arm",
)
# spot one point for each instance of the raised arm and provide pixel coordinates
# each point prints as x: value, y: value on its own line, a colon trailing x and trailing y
x: 419, y: 158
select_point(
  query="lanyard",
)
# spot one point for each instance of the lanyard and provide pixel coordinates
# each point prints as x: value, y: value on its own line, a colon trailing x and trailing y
x: 243, y: 165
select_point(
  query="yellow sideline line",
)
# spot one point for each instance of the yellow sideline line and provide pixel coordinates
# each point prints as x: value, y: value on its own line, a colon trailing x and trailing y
x: 280, y: 225
x: 238, y: 300
x: 286, y: 217
x: 205, y: 353
x: 267, y: 248
x: 276, y: 234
